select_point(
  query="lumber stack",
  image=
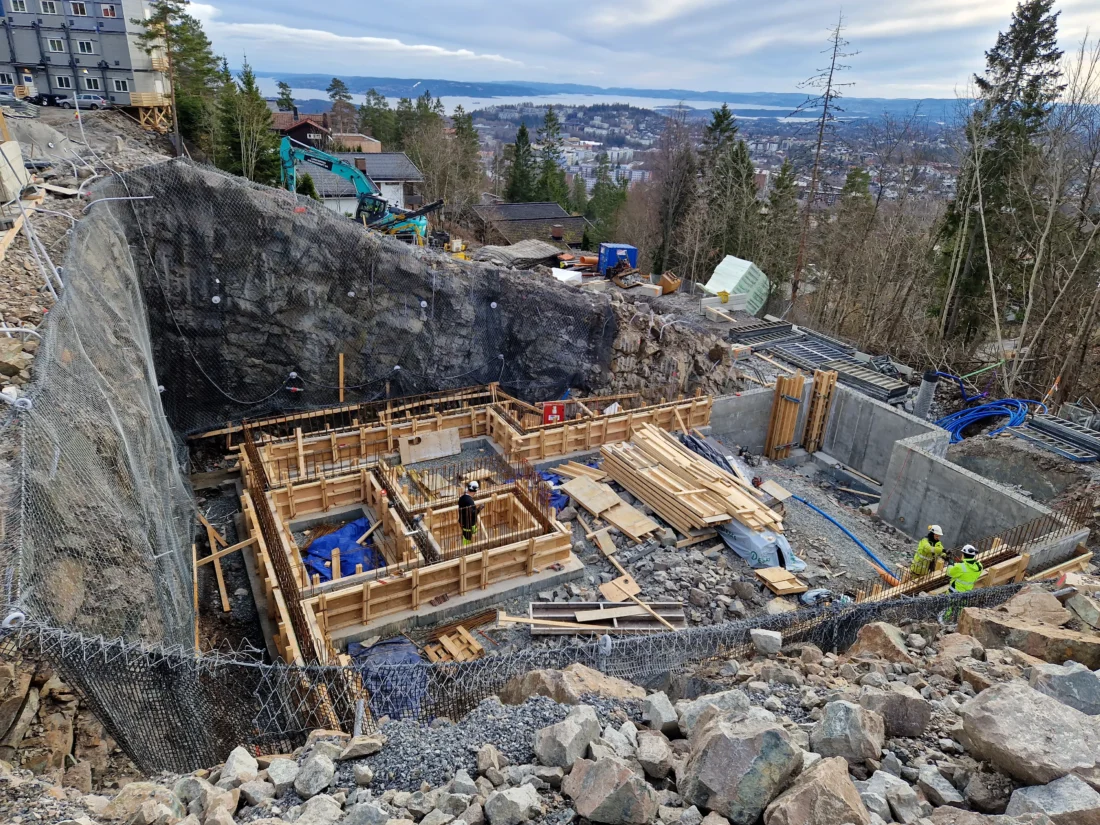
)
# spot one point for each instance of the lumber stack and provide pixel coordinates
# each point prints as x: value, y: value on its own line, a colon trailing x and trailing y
x: 682, y: 487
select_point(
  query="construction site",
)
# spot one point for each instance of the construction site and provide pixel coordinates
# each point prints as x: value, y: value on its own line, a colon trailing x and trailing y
x: 232, y: 480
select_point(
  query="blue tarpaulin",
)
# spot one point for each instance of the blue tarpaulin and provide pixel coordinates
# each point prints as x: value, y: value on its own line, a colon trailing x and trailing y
x: 320, y: 550
x: 395, y: 692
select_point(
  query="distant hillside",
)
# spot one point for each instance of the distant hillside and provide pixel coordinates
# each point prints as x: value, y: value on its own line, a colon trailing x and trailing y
x: 393, y: 87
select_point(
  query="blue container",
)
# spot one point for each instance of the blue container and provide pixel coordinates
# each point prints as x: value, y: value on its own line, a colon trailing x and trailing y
x: 611, y: 253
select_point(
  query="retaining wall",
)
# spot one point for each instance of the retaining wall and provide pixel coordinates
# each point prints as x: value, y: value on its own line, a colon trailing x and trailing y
x: 742, y: 419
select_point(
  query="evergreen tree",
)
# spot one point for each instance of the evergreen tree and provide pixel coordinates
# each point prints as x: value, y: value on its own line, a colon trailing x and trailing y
x: 338, y: 91
x: 675, y: 171
x: 285, y: 100
x: 608, y: 196
x: 307, y: 187
x: 735, y: 210
x: 251, y: 147
x: 779, y: 247
x: 717, y: 134
x: 521, y: 179
x: 377, y: 119
x: 404, y: 123
x: 551, y: 185
x: 857, y: 188
x: 578, y: 195
x: 1016, y: 96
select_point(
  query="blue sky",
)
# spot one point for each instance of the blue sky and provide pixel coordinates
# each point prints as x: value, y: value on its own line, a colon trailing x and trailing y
x: 908, y: 48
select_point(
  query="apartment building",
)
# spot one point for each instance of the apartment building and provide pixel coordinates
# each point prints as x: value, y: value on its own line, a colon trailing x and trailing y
x: 80, y: 46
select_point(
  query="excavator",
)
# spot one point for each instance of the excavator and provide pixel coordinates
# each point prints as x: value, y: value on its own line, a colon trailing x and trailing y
x: 373, y: 210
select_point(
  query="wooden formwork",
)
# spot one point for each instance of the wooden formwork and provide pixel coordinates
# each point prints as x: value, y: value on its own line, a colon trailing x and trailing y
x: 821, y: 404
x: 286, y: 643
x: 784, y: 417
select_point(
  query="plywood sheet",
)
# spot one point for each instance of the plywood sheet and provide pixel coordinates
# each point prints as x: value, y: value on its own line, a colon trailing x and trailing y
x: 428, y: 445
x: 631, y: 521
x: 620, y: 589
x: 593, y: 497
x: 781, y: 581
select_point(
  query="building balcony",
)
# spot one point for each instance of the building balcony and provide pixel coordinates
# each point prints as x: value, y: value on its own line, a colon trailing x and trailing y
x: 160, y: 64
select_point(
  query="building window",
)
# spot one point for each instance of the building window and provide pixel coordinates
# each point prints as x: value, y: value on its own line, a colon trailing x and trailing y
x: 49, y: 6
x: 92, y: 84
x: 122, y: 85
x: 18, y: 5
x: 63, y: 82
x: 108, y: 11
x: 7, y: 79
x: 79, y: 9
x: 56, y: 45
x: 85, y: 46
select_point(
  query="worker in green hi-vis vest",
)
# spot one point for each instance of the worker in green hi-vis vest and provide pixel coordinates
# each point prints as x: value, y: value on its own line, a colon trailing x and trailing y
x: 929, y: 549
x: 965, y: 574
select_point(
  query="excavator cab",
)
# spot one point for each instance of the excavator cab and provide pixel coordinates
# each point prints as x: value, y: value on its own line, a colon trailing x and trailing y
x: 371, y: 209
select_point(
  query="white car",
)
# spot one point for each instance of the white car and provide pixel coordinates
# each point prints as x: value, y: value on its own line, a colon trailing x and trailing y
x: 86, y: 102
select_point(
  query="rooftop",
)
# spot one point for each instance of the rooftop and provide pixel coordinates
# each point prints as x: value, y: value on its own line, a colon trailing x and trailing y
x: 380, y: 167
x: 520, y: 211
x: 539, y: 229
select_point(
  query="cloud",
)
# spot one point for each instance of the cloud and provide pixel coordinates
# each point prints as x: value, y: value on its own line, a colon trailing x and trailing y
x: 268, y: 34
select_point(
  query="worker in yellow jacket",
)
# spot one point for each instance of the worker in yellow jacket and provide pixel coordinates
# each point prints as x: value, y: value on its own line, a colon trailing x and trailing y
x: 929, y: 549
x: 965, y: 573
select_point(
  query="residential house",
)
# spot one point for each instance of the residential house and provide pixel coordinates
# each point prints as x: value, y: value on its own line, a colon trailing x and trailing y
x: 72, y: 47
x: 311, y: 130
x: 507, y: 223
x: 395, y: 175
x: 355, y: 142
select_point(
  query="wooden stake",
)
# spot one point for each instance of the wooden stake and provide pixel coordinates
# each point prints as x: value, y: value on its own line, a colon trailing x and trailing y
x: 367, y: 534
x: 635, y: 599
x: 341, y: 377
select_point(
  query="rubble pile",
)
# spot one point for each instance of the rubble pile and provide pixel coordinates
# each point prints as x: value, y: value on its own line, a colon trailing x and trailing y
x: 913, y: 725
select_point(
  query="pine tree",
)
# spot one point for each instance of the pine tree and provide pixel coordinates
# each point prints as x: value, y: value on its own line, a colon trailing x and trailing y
x: 338, y: 90
x: 551, y: 185
x: 721, y: 130
x: 735, y: 210
x: 307, y: 187
x: 377, y: 119
x: 285, y: 100
x: 675, y: 178
x: 578, y: 195
x: 608, y: 196
x: 251, y: 146
x: 779, y: 246
x: 521, y: 178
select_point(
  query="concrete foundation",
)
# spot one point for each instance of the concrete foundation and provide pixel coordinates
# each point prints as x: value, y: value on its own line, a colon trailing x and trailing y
x: 742, y: 419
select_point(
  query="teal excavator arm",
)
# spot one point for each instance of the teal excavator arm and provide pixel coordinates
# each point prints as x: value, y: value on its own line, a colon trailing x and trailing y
x: 372, y: 205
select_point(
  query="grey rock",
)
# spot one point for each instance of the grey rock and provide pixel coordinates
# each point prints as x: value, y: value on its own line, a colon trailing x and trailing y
x: 360, y: 746
x: 422, y: 803
x: 1071, y: 684
x: 314, y: 776
x: 619, y: 742
x: 320, y: 810
x: 848, y: 730
x: 257, y: 791
x: 240, y: 766
x: 1067, y: 801
x: 903, y: 710
x: 366, y: 813
x: 463, y: 784
x: 513, y: 806
x: 489, y: 757
x: 654, y: 754
x: 563, y: 744
x: 609, y: 791
x: 731, y: 702
x: 195, y: 794
x: 937, y: 789
x: 659, y: 714
x: 281, y: 773
x: 691, y: 816
x: 437, y: 817
x: 363, y: 774
x: 766, y: 642
x: 876, y: 804
x: 453, y: 803
x: 987, y: 792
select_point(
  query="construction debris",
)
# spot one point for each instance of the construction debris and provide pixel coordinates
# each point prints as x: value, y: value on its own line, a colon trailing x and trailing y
x: 603, y: 617
x: 458, y: 645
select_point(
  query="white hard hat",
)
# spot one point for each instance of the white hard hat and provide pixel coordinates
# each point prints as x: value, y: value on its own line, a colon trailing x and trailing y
x: 935, y: 528
x: 472, y: 486
x: 969, y: 550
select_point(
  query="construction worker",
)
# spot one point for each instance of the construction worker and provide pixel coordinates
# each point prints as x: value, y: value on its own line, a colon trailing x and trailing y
x: 965, y: 573
x: 929, y: 549
x: 467, y: 513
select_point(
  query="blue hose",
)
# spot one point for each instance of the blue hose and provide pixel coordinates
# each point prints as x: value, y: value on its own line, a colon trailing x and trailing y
x: 1014, y: 408
x: 962, y: 387
x: 881, y: 564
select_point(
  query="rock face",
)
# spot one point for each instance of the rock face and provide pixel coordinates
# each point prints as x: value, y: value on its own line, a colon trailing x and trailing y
x: 560, y: 745
x: 513, y: 806
x: 880, y: 640
x: 1071, y: 684
x: 994, y: 628
x: 904, y: 711
x: 734, y: 702
x: 737, y: 766
x: 822, y: 795
x: 1067, y: 801
x: 567, y: 686
x: 1030, y: 736
x: 848, y: 730
x: 609, y: 791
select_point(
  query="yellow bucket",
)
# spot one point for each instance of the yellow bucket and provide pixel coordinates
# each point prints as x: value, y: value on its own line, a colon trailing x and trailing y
x: 725, y: 296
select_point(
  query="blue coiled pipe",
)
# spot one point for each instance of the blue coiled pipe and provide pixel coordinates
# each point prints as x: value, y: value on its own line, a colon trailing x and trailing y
x: 1014, y: 409
x: 881, y: 564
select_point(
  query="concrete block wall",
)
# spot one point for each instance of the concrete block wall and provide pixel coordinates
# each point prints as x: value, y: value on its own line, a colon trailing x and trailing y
x: 742, y: 419
x: 861, y: 432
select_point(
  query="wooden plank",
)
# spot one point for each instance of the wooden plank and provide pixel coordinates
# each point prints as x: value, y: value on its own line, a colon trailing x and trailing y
x: 429, y: 445
x: 620, y: 589
x: 593, y: 497
x: 213, y: 537
x: 367, y: 534
x: 604, y: 542
x: 775, y: 490
x: 1074, y: 565
x: 340, y: 367
x: 218, y: 537
x: 226, y: 551
x: 631, y: 521
x: 780, y: 581
x: 609, y: 613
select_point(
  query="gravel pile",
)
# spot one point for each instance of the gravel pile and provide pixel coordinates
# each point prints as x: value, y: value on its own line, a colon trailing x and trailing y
x: 415, y: 753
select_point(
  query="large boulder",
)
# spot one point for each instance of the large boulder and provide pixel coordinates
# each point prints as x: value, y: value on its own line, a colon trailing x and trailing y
x: 1085, y: 608
x: 730, y: 702
x: 1071, y: 684
x: 848, y: 730
x: 822, y: 795
x: 130, y: 799
x: 1036, y: 604
x: 567, y: 686
x: 1067, y: 801
x: 659, y: 714
x: 957, y: 816
x: 562, y: 744
x: 995, y: 628
x: 654, y: 754
x: 937, y: 789
x: 513, y: 806
x: 737, y: 766
x: 314, y: 776
x: 239, y: 767
x: 766, y: 642
x: 904, y: 712
x: 881, y: 640
x: 890, y: 797
x: 1030, y: 736
x: 952, y: 648
x: 281, y: 773
x: 609, y: 791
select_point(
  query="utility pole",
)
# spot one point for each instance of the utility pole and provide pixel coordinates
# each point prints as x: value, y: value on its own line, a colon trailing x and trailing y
x: 830, y: 91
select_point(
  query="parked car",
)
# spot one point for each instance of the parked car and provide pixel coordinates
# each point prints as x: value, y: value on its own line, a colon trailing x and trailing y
x: 44, y: 99
x: 86, y: 102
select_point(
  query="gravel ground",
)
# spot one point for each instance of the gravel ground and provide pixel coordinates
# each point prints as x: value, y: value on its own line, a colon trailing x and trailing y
x: 416, y: 753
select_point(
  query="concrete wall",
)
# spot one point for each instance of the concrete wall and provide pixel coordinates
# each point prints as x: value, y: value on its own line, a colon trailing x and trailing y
x: 861, y: 432
x: 742, y: 419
